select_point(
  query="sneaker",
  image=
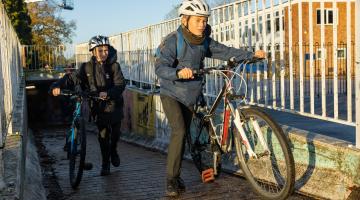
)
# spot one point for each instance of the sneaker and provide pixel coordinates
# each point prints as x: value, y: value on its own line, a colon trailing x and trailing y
x: 115, y: 159
x: 171, y: 188
x: 180, y: 184
x: 88, y: 166
x: 105, y: 170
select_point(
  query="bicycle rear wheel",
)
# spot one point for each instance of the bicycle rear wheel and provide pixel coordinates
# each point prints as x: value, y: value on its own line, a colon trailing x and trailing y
x: 272, y: 173
x: 77, y: 151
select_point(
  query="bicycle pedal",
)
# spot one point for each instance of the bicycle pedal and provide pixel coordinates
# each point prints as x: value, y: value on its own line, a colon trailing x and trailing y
x: 207, y: 175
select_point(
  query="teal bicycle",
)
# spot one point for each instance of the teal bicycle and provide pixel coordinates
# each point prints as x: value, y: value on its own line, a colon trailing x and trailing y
x: 76, y: 135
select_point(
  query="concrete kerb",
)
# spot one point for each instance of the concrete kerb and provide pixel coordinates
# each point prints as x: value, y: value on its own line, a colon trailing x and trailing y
x: 325, y: 167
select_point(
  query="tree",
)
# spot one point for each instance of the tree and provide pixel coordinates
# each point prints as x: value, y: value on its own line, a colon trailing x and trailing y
x: 47, y: 28
x: 18, y: 14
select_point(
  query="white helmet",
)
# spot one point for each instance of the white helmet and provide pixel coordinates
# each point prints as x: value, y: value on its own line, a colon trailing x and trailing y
x: 194, y: 8
x: 98, y: 40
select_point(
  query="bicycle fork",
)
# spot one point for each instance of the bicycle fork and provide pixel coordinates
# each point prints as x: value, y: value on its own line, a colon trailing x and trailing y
x: 239, y: 125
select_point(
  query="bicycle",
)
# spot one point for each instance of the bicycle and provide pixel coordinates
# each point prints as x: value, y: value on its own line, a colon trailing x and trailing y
x: 76, y: 136
x: 261, y: 148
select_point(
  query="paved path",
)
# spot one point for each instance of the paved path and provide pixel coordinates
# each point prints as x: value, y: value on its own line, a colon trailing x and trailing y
x: 141, y: 175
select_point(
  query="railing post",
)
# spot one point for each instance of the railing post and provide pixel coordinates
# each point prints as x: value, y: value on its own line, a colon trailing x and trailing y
x: 357, y: 70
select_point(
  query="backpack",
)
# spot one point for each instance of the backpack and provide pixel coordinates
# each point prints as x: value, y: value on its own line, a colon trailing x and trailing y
x: 180, y: 50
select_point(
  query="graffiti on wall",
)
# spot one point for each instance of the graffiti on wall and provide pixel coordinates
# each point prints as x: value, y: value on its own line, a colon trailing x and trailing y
x: 144, y: 114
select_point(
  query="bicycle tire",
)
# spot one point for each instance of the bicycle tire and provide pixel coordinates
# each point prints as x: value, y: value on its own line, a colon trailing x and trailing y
x: 201, y: 147
x: 272, y: 176
x: 76, y: 155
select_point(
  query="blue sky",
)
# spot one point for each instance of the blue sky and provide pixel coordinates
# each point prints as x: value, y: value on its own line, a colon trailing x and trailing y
x: 109, y: 17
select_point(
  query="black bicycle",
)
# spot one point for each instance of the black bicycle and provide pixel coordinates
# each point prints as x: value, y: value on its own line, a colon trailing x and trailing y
x: 76, y: 135
x: 262, y: 149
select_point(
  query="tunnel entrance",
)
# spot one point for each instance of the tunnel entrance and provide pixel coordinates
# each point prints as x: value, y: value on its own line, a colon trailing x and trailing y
x: 43, y: 108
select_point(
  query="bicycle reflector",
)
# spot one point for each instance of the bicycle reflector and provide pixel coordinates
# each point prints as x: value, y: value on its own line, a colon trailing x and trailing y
x: 207, y: 175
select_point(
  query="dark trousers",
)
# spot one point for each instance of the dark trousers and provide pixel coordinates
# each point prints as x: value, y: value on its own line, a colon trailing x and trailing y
x: 108, y: 138
x: 179, y: 117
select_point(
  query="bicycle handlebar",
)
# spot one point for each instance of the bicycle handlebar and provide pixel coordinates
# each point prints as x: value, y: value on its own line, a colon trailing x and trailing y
x: 91, y: 95
x: 231, y: 64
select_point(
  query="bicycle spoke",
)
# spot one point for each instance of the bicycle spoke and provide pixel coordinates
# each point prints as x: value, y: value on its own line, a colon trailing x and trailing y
x: 271, y: 171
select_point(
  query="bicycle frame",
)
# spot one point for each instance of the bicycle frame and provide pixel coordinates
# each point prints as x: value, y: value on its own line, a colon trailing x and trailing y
x: 76, y: 115
x: 227, y: 93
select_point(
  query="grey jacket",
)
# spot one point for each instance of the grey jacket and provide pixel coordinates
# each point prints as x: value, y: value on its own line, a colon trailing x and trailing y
x: 167, y: 64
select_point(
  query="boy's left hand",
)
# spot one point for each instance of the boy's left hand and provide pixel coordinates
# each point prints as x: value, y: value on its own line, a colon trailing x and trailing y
x: 103, y: 95
x: 260, y: 54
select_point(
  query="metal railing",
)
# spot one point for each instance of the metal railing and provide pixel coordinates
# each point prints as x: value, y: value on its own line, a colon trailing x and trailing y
x: 44, y: 58
x: 357, y: 72
x: 311, y: 68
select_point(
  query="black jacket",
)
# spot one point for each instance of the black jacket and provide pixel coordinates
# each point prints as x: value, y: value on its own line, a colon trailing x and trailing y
x: 94, y: 77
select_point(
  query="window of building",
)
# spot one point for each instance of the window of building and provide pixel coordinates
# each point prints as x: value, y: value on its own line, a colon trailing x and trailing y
x: 221, y: 16
x: 240, y: 29
x: 341, y: 53
x: 246, y: 28
x: 232, y: 32
x: 277, y: 21
x: 283, y: 21
x: 231, y: 11
x: 320, y: 53
x: 221, y: 34
x: 260, y: 24
x: 268, y: 26
x: 227, y: 33
x: 253, y: 27
x: 226, y: 14
x: 246, y: 8
x: 328, y: 16
x: 239, y: 10
x: 211, y: 18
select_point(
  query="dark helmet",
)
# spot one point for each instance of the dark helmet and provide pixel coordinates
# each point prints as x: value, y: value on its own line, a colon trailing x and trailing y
x: 98, y: 40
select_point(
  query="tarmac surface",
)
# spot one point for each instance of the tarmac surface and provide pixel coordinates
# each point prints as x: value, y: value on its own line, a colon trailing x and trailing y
x: 141, y: 174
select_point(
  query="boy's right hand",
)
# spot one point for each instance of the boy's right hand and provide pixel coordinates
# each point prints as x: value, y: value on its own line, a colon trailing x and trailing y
x: 185, y: 73
x: 260, y: 54
x: 56, y: 92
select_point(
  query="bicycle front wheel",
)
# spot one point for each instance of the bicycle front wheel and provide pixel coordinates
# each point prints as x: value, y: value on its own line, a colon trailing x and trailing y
x: 77, y: 151
x: 271, y: 172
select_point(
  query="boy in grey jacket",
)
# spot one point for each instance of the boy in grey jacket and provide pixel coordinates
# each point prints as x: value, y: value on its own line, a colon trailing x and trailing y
x: 179, y: 88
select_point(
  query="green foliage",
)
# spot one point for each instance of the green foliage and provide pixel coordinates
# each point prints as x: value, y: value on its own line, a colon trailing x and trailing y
x: 47, y: 27
x: 18, y: 14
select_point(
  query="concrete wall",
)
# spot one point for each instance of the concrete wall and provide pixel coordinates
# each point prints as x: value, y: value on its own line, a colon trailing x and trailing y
x: 325, y: 167
x: 21, y: 168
